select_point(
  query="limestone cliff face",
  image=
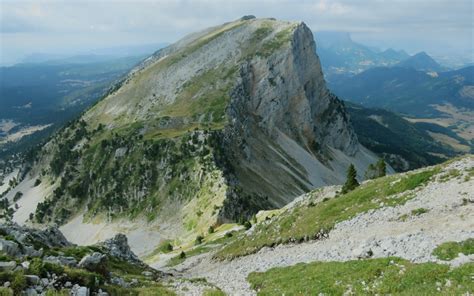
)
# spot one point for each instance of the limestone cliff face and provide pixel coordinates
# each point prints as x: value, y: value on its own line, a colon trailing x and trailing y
x: 287, y: 133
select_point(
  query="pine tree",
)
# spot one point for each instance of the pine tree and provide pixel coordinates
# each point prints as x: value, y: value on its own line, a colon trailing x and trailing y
x: 376, y: 170
x: 351, y: 181
x: 371, y: 172
x: 381, y: 168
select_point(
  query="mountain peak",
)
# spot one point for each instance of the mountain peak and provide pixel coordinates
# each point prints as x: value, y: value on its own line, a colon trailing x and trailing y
x: 247, y: 17
x: 421, y: 62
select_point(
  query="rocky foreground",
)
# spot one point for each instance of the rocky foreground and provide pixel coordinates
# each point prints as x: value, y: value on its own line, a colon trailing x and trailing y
x: 38, y: 262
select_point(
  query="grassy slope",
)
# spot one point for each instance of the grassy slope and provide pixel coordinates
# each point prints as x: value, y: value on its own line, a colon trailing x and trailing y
x: 450, y: 250
x: 302, y: 223
x: 385, y: 276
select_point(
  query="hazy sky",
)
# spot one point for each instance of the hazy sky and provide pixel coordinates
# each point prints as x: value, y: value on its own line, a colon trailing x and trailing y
x: 73, y: 26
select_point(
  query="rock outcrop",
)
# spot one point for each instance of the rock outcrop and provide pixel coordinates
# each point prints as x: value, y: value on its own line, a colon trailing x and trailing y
x: 118, y: 247
x: 45, y: 268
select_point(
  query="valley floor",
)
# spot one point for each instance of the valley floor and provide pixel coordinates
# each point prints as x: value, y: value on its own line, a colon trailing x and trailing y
x: 442, y: 211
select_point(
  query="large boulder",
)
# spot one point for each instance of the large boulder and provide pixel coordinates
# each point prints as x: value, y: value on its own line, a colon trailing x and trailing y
x: 31, y: 252
x: 96, y: 262
x: 32, y: 279
x: 50, y: 237
x: 7, y: 266
x: 80, y: 291
x: 61, y: 260
x: 9, y: 247
x: 118, y: 247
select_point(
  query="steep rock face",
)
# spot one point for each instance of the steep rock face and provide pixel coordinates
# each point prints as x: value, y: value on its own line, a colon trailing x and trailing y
x: 223, y: 123
x: 284, y: 127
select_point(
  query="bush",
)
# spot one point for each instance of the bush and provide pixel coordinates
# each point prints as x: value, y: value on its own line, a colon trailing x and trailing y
x: 210, y: 230
x: 182, y: 255
x: 377, y: 170
x: 53, y: 268
x: 18, y: 283
x: 36, y: 267
x: 17, y: 196
x: 84, y: 278
x: 166, y: 247
x: 247, y: 225
x: 199, y: 239
x: 37, y: 182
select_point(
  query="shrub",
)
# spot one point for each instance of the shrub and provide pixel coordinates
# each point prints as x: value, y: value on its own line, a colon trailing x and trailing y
x: 84, y: 278
x: 199, y: 239
x: 182, y: 255
x: 53, y: 268
x: 36, y: 267
x: 18, y: 283
x: 37, y: 182
x: 17, y: 196
x: 166, y: 247
x: 210, y: 230
x: 247, y: 225
x: 419, y: 211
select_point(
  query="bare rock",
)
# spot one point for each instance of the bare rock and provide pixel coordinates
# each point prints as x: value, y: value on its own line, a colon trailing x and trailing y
x: 7, y: 266
x: 96, y: 262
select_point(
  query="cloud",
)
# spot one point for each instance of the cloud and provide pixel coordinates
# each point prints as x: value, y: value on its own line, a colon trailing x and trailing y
x: 434, y: 22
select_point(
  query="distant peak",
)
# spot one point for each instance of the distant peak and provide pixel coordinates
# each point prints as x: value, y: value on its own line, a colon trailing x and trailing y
x: 247, y: 17
x: 421, y: 54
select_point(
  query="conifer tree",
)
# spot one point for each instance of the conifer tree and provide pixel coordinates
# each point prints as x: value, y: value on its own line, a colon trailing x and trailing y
x: 351, y: 181
x: 381, y: 168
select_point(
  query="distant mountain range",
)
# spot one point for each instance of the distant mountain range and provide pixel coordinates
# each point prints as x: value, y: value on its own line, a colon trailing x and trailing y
x: 45, y: 95
x: 421, y: 62
x: 406, y: 90
x: 93, y: 55
x: 339, y: 54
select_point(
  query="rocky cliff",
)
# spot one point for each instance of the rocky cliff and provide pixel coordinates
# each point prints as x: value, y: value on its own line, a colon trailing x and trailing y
x: 225, y: 122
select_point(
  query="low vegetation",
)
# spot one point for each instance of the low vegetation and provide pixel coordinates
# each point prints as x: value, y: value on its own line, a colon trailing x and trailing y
x: 451, y: 250
x: 385, y: 276
x: 313, y: 222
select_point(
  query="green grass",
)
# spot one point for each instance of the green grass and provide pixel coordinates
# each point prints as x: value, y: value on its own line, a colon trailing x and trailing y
x: 205, y: 95
x: 450, y: 250
x: 275, y: 43
x: 193, y: 252
x: 385, y: 276
x: 419, y: 211
x: 303, y: 223
x: 213, y: 292
x: 5, y: 292
x: 78, y: 252
x: 453, y: 173
x: 152, y: 290
x: 470, y: 174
